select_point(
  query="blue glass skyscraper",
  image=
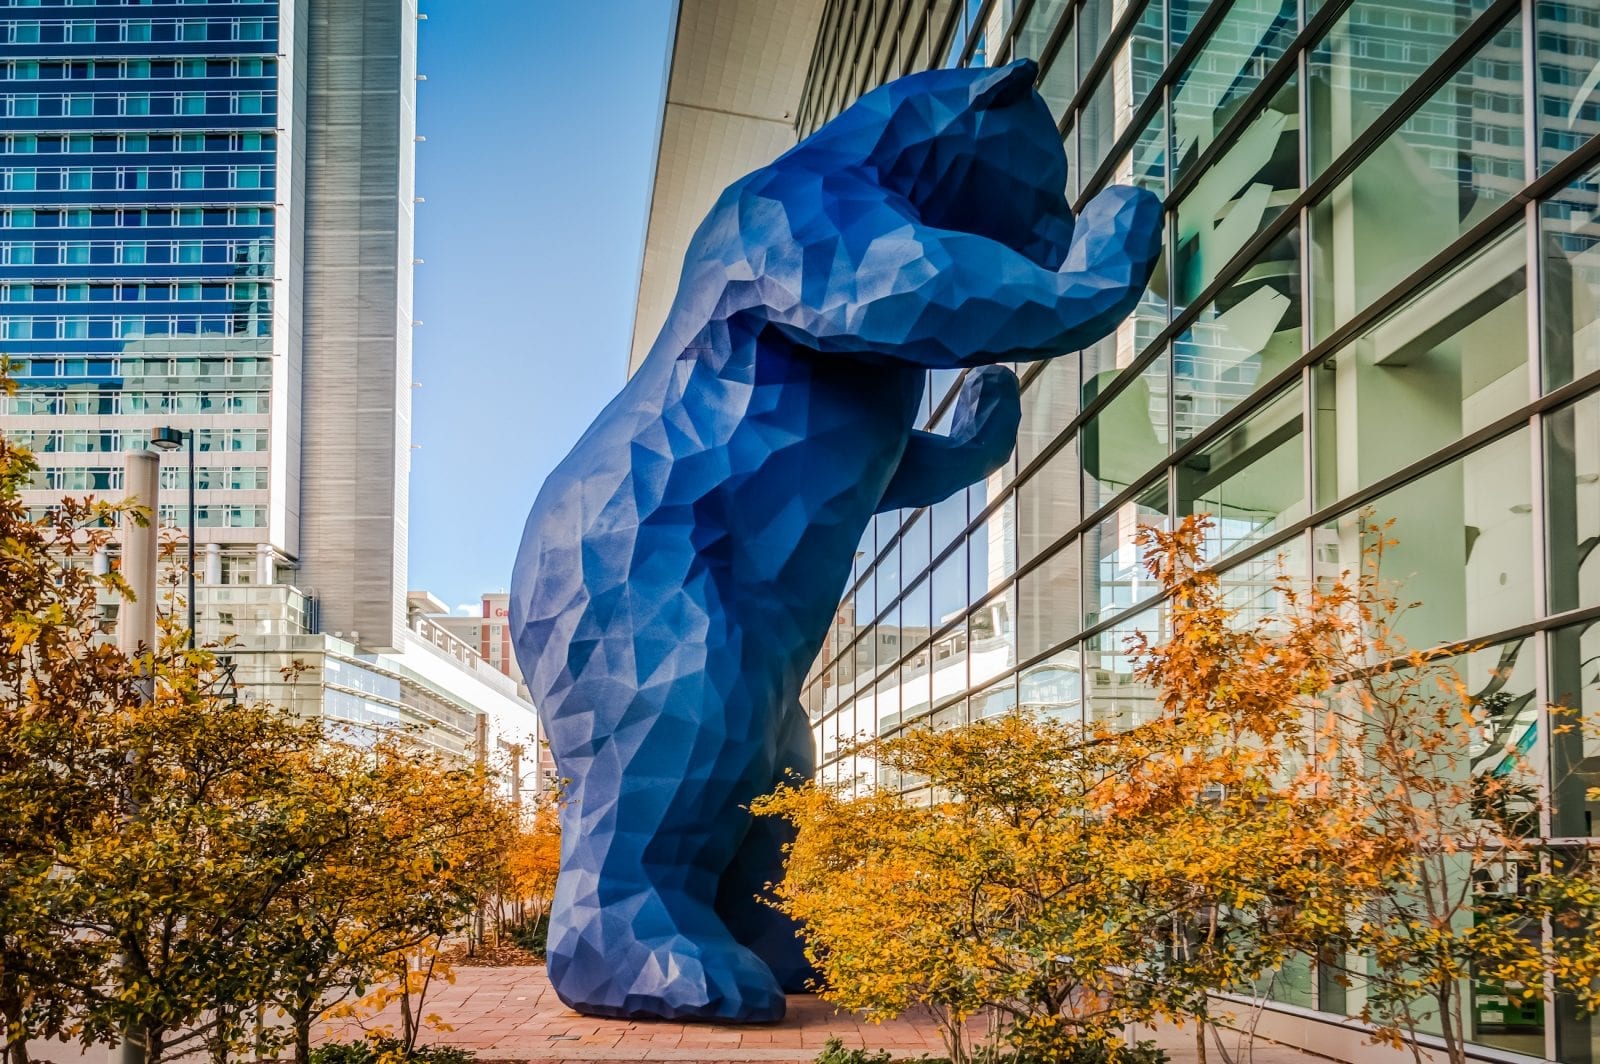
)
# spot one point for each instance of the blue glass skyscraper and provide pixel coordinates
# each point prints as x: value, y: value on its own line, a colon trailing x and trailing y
x: 205, y: 222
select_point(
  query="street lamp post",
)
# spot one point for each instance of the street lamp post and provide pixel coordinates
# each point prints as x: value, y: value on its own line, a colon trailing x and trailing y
x: 169, y: 439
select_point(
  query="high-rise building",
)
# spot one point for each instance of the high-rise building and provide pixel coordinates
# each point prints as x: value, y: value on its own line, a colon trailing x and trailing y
x: 1381, y: 289
x: 206, y: 224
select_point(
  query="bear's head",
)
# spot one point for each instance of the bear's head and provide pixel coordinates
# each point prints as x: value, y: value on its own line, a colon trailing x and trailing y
x: 974, y: 150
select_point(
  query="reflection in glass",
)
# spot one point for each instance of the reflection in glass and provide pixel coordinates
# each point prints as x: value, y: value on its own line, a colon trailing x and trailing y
x: 1047, y: 603
x: 1569, y: 77
x: 1037, y: 26
x: 915, y: 692
x: 1128, y: 437
x: 1247, y: 336
x: 992, y: 637
x: 996, y: 700
x: 1059, y: 82
x: 1047, y: 503
x: 1048, y: 405
x: 1114, y: 572
x: 1252, y: 587
x: 1569, y: 234
x: 991, y: 549
x: 1123, y: 85
x: 1053, y: 688
x: 1572, y: 504
x: 1251, y: 480
x: 1374, y: 52
x: 950, y: 587
x: 1464, y: 554
x: 1241, y: 192
x: 1451, y: 359
x: 1251, y: 37
x: 1456, y: 158
x: 1145, y: 164
x: 1115, y: 697
x: 1575, y: 749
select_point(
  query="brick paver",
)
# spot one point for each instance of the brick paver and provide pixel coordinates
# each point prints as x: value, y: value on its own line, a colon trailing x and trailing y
x: 512, y: 1014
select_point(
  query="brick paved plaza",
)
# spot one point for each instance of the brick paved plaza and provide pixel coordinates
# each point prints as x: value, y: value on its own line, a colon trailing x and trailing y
x: 512, y: 1014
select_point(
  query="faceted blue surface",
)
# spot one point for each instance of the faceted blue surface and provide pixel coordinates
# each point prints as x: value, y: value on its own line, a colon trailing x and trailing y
x: 681, y: 566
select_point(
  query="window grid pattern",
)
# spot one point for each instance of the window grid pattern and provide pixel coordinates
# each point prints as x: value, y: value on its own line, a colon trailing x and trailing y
x: 1379, y: 289
x: 137, y: 243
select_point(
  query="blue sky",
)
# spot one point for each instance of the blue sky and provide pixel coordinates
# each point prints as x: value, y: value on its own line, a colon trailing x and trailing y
x: 540, y: 121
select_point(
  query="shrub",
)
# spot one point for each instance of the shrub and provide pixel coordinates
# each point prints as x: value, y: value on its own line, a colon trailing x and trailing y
x: 388, y: 1051
x: 532, y: 936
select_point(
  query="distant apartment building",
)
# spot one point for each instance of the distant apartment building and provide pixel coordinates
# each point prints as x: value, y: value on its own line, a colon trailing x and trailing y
x: 489, y: 631
x: 206, y: 224
x: 1380, y: 289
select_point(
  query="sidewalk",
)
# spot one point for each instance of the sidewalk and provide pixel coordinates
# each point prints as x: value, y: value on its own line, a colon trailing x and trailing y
x: 512, y: 1014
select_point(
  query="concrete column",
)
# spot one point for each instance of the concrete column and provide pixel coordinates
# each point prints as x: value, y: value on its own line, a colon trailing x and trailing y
x: 213, y: 573
x: 136, y: 620
x: 264, y: 572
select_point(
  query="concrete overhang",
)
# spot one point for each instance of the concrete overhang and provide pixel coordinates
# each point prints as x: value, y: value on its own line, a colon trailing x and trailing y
x: 733, y: 88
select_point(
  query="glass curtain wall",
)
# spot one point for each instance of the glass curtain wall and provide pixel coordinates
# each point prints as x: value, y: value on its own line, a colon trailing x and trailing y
x: 1380, y: 289
x: 139, y: 177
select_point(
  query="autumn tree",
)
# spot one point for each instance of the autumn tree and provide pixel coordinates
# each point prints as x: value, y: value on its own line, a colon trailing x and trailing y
x: 534, y: 861
x: 1302, y: 790
x: 423, y: 838
x: 1432, y: 814
x: 61, y: 688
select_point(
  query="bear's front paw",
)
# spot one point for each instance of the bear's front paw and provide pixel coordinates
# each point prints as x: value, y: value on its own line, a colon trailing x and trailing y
x: 988, y: 410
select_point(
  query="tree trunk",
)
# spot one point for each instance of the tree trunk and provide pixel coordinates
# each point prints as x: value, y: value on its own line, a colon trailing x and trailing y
x: 1200, y: 1042
x: 300, y: 1020
x: 1449, y: 1021
x: 15, y: 1038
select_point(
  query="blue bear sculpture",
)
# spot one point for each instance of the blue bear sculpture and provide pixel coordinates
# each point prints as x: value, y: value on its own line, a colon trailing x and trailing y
x: 681, y: 566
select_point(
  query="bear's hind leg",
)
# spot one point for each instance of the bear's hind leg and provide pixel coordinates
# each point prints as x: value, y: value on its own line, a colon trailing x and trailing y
x: 774, y: 937
x: 661, y: 778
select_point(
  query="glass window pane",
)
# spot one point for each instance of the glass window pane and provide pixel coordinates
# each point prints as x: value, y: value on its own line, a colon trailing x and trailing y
x: 1245, y: 338
x: 1374, y: 52
x: 1569, y: 77
x: 1047, y: 603
x: 995, y: 700
x: 915, y: 692
x: 950, y: 587
x: 1569, y: 233
x: 992, y: 550
x: 1041, y: 21
x: 1448, y: 361
x: 1053, y: 688
x: 992, y: 638
x: 1575, y: 750
x: 1048, y: 405
x: 1456, y: 158
x: 1240, y: 193
x: 949, y: 654
x: 1251, y: 37
x: 1251, y: 480
x: 1115, y: 697
x: 1464, y: 554
x: 1114, y: 573
x: 1252, y: 587
x: 1047, y: 503
x: 1128, y: 438
x: 1059, y: 82
x: 1572, y: 509
x: 1123, y: 86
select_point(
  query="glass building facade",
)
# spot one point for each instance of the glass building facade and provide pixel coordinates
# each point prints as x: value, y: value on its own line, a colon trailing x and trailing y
x: 1380, y: 290
x: 139, y: 237
x: 206, y: 223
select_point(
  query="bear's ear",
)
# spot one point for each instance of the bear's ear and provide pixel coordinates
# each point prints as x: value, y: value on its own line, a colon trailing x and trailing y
x: 1000, y: 86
